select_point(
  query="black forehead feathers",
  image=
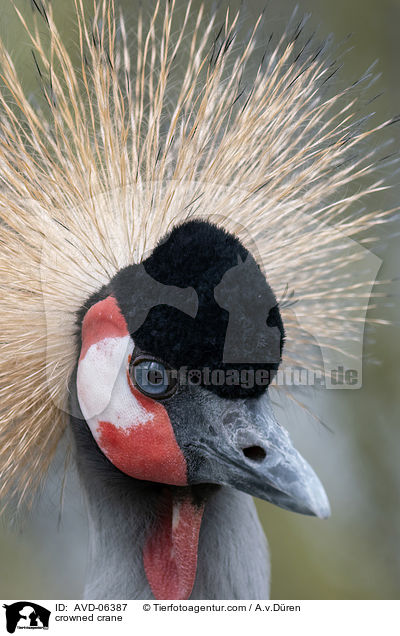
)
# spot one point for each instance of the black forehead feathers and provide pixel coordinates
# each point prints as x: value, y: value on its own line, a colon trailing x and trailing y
x: 200, y: 300
x: 195, y: 254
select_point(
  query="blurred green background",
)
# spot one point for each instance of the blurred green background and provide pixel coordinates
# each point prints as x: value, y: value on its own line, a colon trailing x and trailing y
x: 355, y: 554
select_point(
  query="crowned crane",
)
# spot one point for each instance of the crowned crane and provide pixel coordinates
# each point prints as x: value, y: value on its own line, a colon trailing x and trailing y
x: 169, y: 466
x: 151, y: 212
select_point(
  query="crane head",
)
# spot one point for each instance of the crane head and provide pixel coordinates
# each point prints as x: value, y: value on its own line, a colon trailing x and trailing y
x: 176, y: 357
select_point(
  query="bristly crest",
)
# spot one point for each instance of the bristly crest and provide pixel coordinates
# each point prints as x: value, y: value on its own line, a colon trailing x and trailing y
x: 135, y: 140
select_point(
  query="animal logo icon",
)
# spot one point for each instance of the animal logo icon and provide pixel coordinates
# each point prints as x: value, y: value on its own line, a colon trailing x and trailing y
x: 26, y: 615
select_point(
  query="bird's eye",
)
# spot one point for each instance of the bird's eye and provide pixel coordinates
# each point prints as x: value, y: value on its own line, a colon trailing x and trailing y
x: 152, y: 377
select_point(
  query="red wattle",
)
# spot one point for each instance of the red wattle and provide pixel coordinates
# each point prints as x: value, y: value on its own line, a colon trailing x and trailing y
x: 170, y: 554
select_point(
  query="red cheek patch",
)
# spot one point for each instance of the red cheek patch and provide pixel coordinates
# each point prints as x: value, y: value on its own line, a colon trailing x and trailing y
x: 132, y: 430
x: 147, y: 451
x: 103, y: 320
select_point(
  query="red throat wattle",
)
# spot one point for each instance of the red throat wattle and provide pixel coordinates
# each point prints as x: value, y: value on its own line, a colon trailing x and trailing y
x: 170, y: 553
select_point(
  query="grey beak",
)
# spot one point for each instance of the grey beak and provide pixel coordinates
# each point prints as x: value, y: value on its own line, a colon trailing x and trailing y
x: 244, y: 446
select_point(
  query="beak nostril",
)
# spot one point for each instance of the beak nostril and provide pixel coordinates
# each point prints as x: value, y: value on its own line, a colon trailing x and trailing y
x: 255, y: 453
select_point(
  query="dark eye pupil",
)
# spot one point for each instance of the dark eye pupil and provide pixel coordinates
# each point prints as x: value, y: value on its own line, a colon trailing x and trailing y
x: 155, y: 376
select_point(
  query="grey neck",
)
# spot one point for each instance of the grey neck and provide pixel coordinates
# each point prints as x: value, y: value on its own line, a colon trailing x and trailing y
x: 232, y: 556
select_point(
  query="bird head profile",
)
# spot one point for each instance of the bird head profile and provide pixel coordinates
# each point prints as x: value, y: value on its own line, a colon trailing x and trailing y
x: 165, y: 403
x: 154, y: 211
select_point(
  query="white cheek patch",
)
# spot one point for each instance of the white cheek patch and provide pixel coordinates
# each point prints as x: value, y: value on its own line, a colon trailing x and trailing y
x: 133, y: 431
x: 103, y: 389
